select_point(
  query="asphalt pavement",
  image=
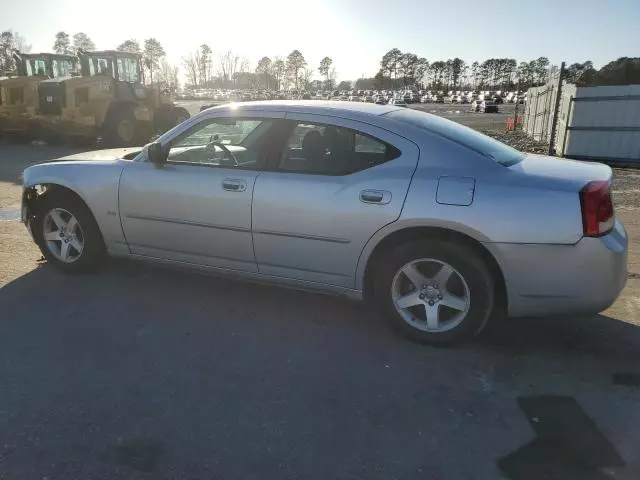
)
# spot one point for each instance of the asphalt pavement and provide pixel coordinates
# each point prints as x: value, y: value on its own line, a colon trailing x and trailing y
x: 139, y: 372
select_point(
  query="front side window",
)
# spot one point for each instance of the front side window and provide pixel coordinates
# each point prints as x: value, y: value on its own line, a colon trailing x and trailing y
x: 100, y: 66
x: 330, y: 150
x: 36, y: 67
x: 228, y: 143
x: 62, y: 68
x: 128, y: 70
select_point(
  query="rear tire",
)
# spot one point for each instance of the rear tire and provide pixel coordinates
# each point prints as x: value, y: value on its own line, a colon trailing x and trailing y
x: 67, y: 233
x: 435, y: 292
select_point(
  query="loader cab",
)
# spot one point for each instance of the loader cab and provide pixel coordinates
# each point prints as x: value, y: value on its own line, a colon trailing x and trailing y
x: 45, y: 65
x: 123, y: 68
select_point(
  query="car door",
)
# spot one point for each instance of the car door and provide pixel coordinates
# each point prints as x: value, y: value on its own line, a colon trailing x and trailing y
x: 196, y: 208
x: 336, y: 183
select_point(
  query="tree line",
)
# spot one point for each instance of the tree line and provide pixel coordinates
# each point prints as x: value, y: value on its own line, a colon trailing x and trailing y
x: 398, y: 70
x: 277, y: 73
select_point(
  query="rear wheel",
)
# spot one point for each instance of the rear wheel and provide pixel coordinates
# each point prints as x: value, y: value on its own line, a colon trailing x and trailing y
x: 436, y: 292
x: 67, y: 233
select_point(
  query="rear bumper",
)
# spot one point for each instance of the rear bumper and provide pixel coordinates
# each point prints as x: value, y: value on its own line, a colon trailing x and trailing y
x: 550, y: 279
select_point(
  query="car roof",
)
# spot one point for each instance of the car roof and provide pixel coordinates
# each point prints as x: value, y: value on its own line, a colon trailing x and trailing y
x: 318, y: 107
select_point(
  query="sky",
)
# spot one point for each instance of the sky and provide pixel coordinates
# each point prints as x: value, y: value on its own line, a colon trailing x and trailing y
x: 354, y: 33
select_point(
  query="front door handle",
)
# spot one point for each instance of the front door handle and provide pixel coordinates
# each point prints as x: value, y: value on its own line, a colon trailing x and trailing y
x: 380, y: 197
x: 234, y: 185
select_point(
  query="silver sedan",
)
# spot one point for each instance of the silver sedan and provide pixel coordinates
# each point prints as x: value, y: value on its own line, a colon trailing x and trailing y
x: 437, y: 224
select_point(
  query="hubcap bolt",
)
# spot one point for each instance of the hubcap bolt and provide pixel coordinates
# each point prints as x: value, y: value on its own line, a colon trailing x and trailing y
x: 439, y: 297
x: 431, y: 302
x: 421, y: 296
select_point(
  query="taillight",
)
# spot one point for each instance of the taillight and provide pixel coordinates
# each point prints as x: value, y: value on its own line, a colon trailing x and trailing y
x: 597, y: 209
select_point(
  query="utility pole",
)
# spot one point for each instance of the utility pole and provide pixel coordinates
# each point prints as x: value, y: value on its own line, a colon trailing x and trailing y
x: 515, y: 113
x: 556, y: 108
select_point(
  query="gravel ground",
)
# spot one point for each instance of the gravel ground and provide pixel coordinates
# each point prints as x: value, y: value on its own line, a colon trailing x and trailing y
x: 139, y: 372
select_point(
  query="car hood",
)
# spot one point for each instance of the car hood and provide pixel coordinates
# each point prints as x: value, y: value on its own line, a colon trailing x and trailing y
x: 101, y: 155
x: 573, y: 173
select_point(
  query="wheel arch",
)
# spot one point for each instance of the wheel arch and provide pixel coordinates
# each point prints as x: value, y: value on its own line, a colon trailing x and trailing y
x: 34, y: 194
x: 384, y: 243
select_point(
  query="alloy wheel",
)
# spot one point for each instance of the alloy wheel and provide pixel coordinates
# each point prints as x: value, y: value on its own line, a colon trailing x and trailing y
x: 430, y: 295
x: 63, y: 235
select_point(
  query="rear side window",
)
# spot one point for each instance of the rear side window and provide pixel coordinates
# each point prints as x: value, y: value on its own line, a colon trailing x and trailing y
x: 484, y: 145
x: 329, y: 150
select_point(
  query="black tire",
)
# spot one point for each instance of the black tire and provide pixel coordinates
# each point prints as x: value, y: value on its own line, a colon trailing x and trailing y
x: 470, y: 267
x: 122, y: 129
x: 94, y: 250
x: 179, y: 115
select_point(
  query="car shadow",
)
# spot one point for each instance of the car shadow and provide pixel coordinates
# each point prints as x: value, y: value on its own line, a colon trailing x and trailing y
x: 149, y: 289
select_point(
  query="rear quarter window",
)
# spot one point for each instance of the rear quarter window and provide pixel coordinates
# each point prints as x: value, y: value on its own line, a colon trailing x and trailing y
x: 472, y: 139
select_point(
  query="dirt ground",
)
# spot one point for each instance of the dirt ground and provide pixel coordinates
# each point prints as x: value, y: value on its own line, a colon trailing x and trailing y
x: 138, y: 372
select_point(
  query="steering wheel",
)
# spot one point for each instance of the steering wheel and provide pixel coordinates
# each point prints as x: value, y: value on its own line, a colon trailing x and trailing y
x: 227, y: 153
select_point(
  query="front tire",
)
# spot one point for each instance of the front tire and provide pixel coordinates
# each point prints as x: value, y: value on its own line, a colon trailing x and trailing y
x: 122, y: 129
x: 67, y: 233
x: 435, y: 292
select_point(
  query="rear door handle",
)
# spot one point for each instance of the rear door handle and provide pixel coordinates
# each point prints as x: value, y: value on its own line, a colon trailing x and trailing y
x: 381, y: 197
x: 234, y: 185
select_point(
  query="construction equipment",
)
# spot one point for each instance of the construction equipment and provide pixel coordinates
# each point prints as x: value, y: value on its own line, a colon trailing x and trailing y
x: 110, y: 100
x: 19, y: 93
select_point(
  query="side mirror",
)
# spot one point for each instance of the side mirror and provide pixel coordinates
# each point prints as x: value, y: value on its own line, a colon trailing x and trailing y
x: 156, y: 154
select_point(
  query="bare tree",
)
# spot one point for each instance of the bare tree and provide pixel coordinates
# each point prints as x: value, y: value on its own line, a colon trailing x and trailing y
x: 167, y: 77
x: 10, y: 41
x: 228, y: 65
x: 191, y: 64
x: 307, y: 76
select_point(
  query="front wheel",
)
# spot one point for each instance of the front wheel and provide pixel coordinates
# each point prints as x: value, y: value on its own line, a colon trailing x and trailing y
x: 436, y: 292
x: 122, y: 129
x: 67, y: 233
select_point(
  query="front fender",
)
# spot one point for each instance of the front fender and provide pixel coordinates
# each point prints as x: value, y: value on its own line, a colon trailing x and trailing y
x: 96, y: 183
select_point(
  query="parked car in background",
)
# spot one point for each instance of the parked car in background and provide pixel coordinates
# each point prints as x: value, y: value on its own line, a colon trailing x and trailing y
x: 345, y: 203
x: 398, y: 102
x: 488, y: 106
x: 475, y: 105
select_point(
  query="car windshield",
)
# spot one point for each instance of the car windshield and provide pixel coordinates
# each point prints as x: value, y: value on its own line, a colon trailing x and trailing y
x: 487, y: 146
